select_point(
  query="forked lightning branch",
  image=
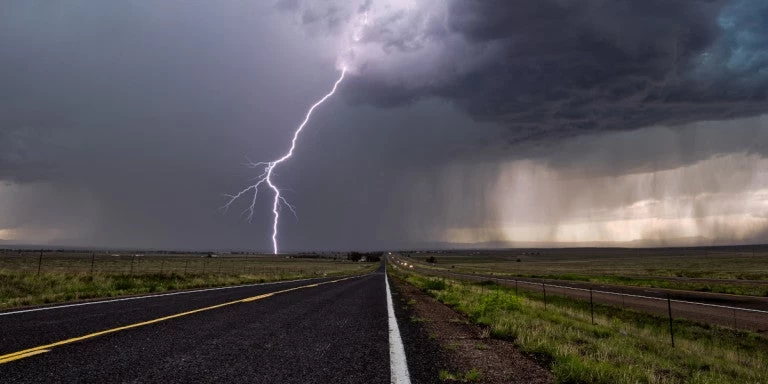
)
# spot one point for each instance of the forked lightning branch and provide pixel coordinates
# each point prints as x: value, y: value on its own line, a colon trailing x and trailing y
x: 252, y: 191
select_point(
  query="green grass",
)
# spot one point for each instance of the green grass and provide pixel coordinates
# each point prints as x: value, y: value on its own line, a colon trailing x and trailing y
x: 720, y: 270
x: 471, y: 376
x: 621, y: 347
x: 131, y: 263
x: 434, y: 284
x: 67, y: 279
x: 732, y: 263
x: 481, y: 346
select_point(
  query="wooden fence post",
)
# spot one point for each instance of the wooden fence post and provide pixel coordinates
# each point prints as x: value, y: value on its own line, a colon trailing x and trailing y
x: 40, y: 262
x: 671, y: 329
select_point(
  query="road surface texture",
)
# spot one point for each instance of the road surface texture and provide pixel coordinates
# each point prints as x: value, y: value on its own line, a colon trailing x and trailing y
x: 311, y: 331
x: 735, y: 311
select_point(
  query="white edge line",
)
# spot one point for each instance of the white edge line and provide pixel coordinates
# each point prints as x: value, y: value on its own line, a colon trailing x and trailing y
x: 152, y: 296
x: 397, y: 362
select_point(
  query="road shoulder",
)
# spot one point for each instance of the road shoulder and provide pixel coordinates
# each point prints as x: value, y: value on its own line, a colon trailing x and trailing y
x: 443, y: 346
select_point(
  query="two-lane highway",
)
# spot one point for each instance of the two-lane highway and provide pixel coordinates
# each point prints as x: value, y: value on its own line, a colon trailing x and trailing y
x: 316, y: 331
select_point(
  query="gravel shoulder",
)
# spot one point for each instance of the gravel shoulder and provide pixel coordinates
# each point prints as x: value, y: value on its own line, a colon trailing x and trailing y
x: 444, y: 340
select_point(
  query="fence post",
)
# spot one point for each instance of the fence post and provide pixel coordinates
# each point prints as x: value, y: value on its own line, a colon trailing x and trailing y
x: 162, y: 266
x: 591, y: 306
x: 93, y: 259
x: 219, y: 266
x: 132, y: 258
x: 515, y: 288
x: 40, y: 262
x: 671, y: 329
x: 205, y: 262
x: 185, y: 267
x: 544, y: 288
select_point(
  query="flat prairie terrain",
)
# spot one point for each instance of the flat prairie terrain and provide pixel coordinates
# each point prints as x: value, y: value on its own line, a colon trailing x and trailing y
x: 137, y: 263
x: 27, y: 278
x: 579, y: 343
x: 739, y: 270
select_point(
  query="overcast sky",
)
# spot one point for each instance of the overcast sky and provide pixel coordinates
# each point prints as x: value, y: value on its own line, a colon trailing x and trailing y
x: 550, y: 122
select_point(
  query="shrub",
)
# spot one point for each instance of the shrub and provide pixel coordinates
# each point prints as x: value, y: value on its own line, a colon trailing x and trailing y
x: 434, y: 285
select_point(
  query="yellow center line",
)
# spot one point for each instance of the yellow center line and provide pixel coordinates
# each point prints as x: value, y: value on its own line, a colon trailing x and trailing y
x: 23, y: 355
x: 45, y: 348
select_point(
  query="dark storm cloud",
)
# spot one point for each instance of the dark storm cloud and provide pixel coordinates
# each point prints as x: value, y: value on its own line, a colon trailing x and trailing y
x: 654, y: 148
x: 15, y: 151
x: 122, y: 123
x: 561, y: 68
x: 327, y: 14
x: 121, y: 120
x: 109, y: 80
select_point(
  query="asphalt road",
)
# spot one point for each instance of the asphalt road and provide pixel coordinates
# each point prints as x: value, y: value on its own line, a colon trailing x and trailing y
x: 335, y: 332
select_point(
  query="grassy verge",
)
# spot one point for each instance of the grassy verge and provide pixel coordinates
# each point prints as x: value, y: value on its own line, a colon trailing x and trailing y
x: 23, y: 289
x: 621, y: 347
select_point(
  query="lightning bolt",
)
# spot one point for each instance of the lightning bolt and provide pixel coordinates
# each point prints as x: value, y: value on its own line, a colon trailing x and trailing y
x: 269, y: 171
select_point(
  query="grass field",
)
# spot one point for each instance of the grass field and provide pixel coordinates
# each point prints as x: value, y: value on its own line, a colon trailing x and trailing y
x: 65, y: 276
x: 622, y: 346
x: 734, y: 270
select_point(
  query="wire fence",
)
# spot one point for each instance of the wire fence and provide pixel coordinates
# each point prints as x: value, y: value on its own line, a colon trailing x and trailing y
x: 748, y: 315
x: 37, y: 263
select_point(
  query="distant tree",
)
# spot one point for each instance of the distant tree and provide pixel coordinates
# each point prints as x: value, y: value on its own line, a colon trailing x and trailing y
x: 432, y: 260
x: 374, y: 257
x: 354, y: 256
